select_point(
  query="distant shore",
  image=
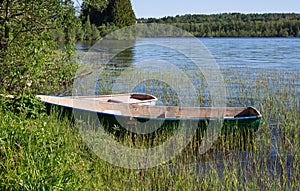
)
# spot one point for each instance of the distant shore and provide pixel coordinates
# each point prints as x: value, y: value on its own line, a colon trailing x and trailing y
x: 234, y: 24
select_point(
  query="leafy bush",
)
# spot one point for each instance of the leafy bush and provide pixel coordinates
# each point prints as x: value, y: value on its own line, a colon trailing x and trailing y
x: 23, y: 105
x: 31, y: 60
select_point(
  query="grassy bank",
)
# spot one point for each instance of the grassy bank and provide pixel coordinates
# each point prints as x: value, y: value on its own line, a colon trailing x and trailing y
x: 47, y: 153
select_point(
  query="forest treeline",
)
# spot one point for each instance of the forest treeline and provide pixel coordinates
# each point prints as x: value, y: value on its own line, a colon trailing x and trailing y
x: 215, y: 25
x: 98, y: 18
x: 234, y: 24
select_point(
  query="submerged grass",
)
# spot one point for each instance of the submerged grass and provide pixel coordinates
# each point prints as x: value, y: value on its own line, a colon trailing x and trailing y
x: 48, y: 153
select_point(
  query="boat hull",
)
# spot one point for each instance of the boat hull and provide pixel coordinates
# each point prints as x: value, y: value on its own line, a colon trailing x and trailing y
x: 241, y: 124
x: 142, y: 119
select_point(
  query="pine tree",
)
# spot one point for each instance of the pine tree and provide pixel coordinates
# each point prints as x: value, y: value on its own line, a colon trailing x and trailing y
x: 121, y: 13
x: 96, y: 10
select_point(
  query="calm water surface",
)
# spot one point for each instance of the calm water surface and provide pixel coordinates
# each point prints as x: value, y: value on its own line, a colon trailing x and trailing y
x: 248, y: 66
x: 242, y: 61
x: 257, y: 53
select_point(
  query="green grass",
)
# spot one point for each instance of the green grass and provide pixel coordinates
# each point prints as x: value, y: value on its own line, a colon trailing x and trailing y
x: 42, y: 153
x: 48, y: 153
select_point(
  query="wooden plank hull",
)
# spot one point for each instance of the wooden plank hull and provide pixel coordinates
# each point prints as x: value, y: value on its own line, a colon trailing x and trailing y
x: 139, y: 116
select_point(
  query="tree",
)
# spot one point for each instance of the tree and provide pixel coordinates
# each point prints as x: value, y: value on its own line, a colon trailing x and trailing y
x: 31, y: 60
x: 95, y: 10
x: 121, y: 13
x: 235, y: 24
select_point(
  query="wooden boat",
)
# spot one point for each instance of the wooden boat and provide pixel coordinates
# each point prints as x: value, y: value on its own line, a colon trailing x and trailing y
x: 132, y: 98
x: 136, y: 109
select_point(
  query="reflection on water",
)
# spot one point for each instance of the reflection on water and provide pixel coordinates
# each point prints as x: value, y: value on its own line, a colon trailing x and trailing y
x: 113, y: 68
x: 84, y: 46
x: 166, y: 94
x: 243, y: 62
x: 254, y: 71
x: 155, y: 66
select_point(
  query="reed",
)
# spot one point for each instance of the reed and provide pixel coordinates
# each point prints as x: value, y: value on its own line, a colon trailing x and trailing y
x: 47, y: 153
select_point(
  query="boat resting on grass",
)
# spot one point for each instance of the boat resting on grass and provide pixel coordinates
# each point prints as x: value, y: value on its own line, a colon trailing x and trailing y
x: 136, y: 109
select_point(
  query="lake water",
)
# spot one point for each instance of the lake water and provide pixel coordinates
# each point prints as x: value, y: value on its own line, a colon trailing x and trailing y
x: 257, y: 53
x: 242, y: 62
x: 252, y: 69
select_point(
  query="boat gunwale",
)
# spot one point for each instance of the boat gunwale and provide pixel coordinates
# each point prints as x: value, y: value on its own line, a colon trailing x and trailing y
x: 232, y: 117
x: 85, y: 97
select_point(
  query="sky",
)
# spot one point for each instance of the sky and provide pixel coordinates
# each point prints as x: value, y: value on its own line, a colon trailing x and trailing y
x: 162, y: 8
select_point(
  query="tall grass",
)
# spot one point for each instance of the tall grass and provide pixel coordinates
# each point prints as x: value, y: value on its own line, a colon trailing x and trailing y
x: 47, y: 153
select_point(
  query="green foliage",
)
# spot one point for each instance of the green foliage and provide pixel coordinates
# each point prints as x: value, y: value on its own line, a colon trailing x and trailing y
x: 100, y: 17
x: 95, y: 33
x: 43, y: 154
x: 32, y: 61
x: 235, y: 24
x: 69, y: 22
x: 23, y: 105
x: 121, y: 13
x: 105, y: 29
x: 95, y: 11
x: 89, y: 31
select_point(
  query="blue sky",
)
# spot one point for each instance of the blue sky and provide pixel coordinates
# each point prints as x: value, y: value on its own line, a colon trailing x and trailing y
x: 161, y: 8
